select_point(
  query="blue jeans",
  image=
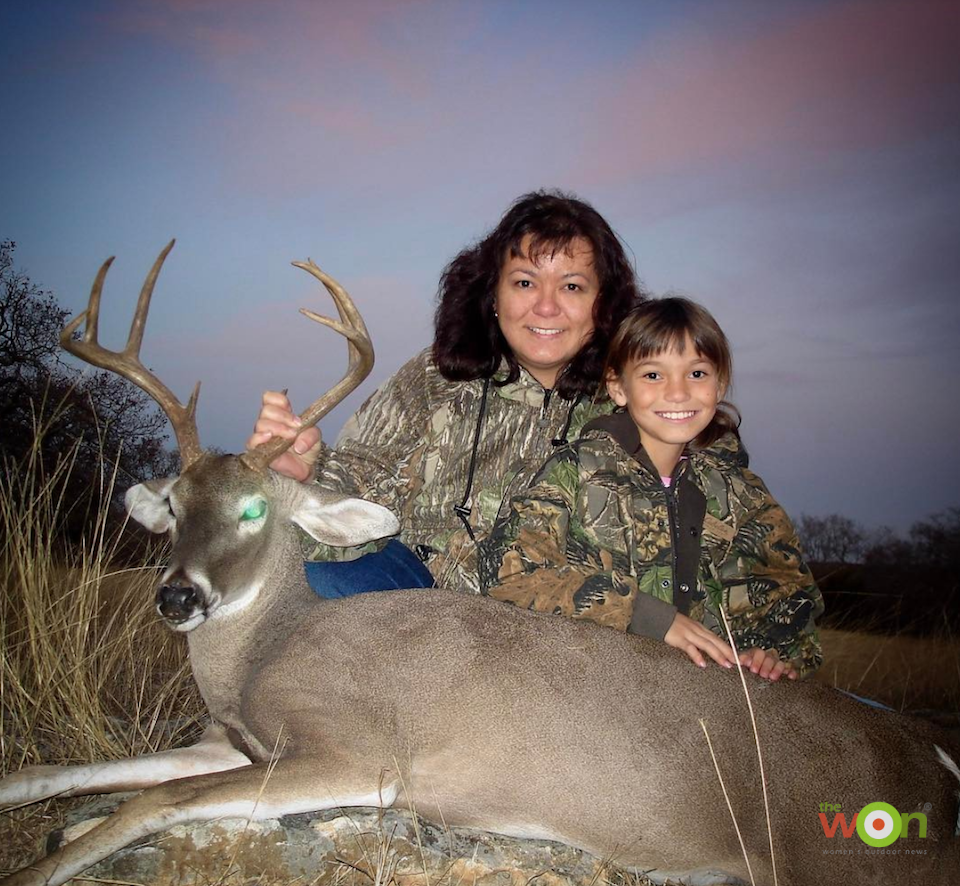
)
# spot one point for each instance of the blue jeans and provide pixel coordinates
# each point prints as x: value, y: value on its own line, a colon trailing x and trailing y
x: 396, y: 566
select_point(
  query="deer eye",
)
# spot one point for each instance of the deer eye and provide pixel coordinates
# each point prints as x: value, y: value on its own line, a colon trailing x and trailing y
x: 255, y: 510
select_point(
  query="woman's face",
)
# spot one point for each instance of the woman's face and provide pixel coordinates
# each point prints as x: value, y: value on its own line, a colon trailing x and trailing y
x: 545, y: 308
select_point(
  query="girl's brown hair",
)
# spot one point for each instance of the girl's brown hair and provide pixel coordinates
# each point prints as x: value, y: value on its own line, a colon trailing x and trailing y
x: 663, y: 324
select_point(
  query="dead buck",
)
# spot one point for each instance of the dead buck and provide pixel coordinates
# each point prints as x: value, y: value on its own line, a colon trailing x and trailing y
x: 471, y: 711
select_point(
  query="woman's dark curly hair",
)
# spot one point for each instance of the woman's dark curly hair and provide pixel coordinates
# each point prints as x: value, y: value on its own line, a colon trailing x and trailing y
x: 468, y: 343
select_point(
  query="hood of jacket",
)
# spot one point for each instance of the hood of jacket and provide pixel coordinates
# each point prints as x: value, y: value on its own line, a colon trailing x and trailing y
x: 726, y: 453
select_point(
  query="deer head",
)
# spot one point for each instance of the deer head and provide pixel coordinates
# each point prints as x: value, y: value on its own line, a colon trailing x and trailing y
x: 230, y: 517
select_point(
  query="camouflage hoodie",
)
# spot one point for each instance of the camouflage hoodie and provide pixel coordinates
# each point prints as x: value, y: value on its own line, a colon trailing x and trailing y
x: 411, y: 445
x: 597, y: 535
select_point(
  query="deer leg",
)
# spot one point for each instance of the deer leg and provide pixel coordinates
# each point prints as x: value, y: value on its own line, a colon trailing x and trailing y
x: 257, y: 792
x: 213, y: 753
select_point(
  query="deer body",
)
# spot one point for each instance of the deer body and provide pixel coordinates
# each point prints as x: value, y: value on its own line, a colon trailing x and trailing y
x: 476, y: 713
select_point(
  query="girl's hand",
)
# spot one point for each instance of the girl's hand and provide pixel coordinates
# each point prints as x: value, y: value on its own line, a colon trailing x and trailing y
x: 277, y: 419
x: 694, y: 639
x: 765, y: 663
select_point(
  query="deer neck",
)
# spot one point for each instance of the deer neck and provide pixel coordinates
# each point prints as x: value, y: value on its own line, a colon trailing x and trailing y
x: 227, y: 648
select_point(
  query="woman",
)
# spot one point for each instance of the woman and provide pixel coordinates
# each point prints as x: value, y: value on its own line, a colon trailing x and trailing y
x: 521, y: 332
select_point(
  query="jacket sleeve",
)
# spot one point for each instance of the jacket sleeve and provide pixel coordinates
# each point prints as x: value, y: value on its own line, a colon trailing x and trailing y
x: 771, y: 597
x: 542, y: 555
x: 375, y: 450
x: 376, y: 456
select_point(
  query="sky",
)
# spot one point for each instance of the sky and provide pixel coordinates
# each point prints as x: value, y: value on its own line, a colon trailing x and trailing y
x: 793, y: 165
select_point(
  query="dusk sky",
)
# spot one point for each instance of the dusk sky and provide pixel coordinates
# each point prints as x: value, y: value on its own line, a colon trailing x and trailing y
x: 795, y: 166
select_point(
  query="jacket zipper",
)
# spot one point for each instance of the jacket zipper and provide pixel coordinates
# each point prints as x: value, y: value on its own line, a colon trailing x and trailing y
x: 673, y: 518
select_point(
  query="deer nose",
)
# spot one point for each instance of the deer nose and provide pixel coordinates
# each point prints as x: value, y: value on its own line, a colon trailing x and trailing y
x: 177, y: 603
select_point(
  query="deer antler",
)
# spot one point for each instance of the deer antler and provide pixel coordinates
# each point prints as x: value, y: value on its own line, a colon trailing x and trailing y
x: 360, y: 348
x: 126, y: 363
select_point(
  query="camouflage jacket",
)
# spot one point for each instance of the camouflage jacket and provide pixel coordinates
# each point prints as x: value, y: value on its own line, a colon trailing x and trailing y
x: 410, y: 447
x: 597, y: 535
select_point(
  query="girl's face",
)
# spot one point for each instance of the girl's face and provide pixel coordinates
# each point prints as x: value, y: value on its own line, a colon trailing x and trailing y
x: 671, y: 397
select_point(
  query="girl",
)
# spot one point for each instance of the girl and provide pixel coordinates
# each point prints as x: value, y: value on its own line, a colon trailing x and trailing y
x: 652, y: 523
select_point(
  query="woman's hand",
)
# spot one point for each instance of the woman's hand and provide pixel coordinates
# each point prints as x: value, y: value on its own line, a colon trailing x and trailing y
x: 694, y: 639
x: 277, y: 419
x: 765, y: 663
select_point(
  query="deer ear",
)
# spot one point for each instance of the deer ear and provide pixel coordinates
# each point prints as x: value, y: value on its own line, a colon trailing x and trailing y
x: 343, y: 522
x: 149, y: 504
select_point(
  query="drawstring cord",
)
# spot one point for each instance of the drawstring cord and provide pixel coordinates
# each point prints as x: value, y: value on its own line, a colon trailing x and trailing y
x: 463, y: 510
x: 562, y: 439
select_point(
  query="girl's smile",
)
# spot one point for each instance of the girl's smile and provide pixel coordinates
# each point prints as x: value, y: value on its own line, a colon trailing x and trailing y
x: 677, y: 416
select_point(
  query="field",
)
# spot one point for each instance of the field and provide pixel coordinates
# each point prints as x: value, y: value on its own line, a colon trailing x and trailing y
x: 915, y: 674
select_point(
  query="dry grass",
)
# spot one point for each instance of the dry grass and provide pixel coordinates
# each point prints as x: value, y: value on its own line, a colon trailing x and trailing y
x: 86, y: 671
x: 906, y: 673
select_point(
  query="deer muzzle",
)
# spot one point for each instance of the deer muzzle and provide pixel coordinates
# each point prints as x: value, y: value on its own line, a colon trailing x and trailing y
x: 178, y: 603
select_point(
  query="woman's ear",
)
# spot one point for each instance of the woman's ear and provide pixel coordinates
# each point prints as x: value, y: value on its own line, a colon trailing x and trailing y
x: 615, y: 390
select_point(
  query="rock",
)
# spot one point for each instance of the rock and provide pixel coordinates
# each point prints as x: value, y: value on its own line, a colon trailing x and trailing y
x: 353, y: 846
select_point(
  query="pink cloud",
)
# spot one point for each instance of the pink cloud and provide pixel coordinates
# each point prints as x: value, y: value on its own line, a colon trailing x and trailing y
x: 306, y: 76
x: 248, y: 37
x: 193, y: 23
x: 844, y: 77
x: 364, y: 91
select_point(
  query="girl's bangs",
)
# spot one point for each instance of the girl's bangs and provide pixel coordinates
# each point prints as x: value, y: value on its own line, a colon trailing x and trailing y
x: 664, y: 325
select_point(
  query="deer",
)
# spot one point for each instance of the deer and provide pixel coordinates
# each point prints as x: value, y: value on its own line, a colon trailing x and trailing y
x: 535, y: 726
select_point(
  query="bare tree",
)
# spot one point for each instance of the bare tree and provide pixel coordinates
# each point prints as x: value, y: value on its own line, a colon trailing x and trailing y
x: 50, y: 411
x: 933, y: 543
x: 831, y: 539
x: 901, y: 584
x: 30, y: 321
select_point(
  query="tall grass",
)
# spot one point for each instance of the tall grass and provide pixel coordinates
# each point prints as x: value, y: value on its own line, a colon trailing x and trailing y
x: 87, y: 672
x: 912, y: 674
